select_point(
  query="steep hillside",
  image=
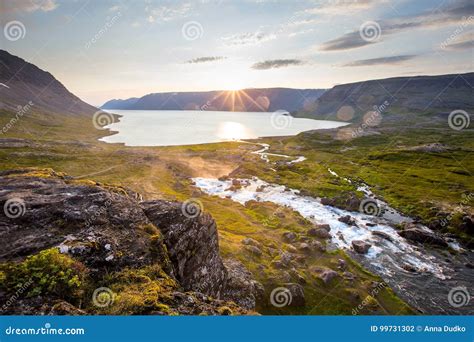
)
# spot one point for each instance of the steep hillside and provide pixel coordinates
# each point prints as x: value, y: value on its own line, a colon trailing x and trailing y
x: 270, y: 99
x: 23, y: 83
x: 442, y: 93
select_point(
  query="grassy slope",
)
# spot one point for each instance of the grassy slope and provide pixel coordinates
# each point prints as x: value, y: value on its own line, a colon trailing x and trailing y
x: 408, y: 180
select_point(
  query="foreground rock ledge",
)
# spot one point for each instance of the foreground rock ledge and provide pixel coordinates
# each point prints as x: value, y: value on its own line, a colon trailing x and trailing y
x: 109, y: 231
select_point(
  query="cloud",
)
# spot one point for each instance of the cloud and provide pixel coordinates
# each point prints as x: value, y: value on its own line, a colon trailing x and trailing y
x: 166, y: 13
x: 114, y: 8
x: 454, y: 13
x: 30, y: 5
x: 344, y: 7
x: 462, y: 42
x: 205, y: 59
x: 381, y: 61
x: 276, y: 63
x: 251, y: 38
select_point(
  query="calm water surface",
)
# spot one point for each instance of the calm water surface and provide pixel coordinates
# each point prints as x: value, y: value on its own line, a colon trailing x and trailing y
x: 167, y: 128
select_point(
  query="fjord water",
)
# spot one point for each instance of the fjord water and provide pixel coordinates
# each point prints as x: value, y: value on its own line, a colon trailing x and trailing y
x: 189, y: 127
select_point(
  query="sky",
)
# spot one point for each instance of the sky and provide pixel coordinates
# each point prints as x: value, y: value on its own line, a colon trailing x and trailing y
x: 101, y: 49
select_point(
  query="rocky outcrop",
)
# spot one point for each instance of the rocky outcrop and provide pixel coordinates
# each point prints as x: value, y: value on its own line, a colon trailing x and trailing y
x: 102, y: 226
x: 240, y: 285
x: 422, y: 235
x: 192, y: 246
x: 109, y: 231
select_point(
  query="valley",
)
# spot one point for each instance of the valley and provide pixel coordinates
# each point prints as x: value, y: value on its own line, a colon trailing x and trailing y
x: 411, y: 161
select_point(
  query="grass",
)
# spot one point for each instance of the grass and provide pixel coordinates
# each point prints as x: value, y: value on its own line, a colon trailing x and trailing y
x: 419, y: 184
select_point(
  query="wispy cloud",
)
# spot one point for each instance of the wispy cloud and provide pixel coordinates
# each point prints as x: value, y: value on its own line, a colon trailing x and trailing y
x: 276, y: 63
x: 392, y: 60
x: 205, y: 59
x: 29, y: 5
x: 250, y: 38
x: 462, y: 43
x: 453, y: 13
x: 168, y: 13
x: 344, y: 7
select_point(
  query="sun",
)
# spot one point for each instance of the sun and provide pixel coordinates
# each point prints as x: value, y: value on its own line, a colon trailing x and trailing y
x: 234, y: 78
x: 235, y: 86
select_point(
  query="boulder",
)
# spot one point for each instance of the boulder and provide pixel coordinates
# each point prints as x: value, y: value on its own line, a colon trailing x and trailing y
x: 317, y: 246
x: 251, y: 242
x: 342, y: 264
x: 304, y: 247
x: 328, y: 275
x: 360, y: 246
x: 289, y: 237
x: 319, y: 232
x: 286, y: 258
x: 347, y: 219
x: 240, y: 285
x: 296, y: 291
x: 424, y: 236
x: 382, y: 235
x: 253, y: 250
x: 324, y: 226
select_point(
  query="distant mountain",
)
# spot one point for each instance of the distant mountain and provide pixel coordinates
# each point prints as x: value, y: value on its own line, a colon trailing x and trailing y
x: 22, y: 82
x: 120, y: 104
x: 420, y: 93
x: 247, y: 100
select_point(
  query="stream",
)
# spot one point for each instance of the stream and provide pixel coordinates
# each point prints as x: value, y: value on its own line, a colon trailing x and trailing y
x: 426, y: 277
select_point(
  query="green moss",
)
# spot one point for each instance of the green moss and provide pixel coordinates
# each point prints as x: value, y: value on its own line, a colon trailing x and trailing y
x: 139, y: 291
x: 48, y: 273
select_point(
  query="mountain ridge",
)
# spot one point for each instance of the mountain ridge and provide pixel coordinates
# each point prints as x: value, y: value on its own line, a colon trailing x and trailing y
x: 24, y: 82
x: 251, y: 99
x: 350, y: 101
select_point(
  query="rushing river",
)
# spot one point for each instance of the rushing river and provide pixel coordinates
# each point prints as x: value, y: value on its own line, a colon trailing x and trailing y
x: 423, y: 276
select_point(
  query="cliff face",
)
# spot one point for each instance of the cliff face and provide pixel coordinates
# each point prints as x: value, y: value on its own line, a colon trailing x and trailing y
x: 149, y: 256
x: 441, y: 93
